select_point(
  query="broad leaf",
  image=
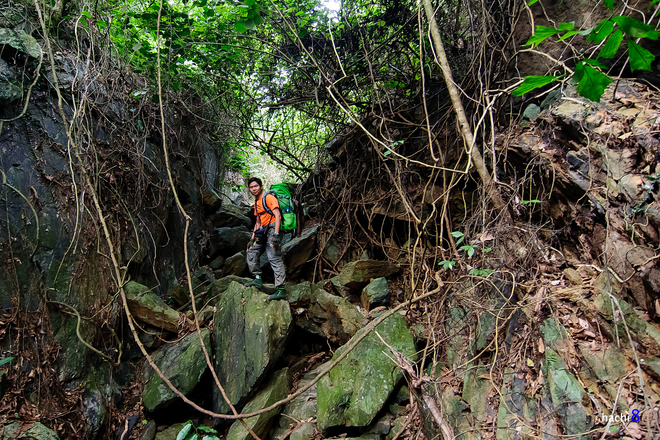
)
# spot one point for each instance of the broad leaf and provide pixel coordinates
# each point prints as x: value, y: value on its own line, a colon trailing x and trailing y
x: 593, y: 83
x: 566, y: 26
x: 612, y: 45
x: 595, y: 63
x: 541, y: 33
x: 571, y: 33
x: 184, y: 431
x: 640, y: 58
x: 531, y: 2
x: 6, y: 360
x: 602, y: 31
x: 635, y: 28
x: 534, y: 82
x: 240, y: 26
x: 609, y: 3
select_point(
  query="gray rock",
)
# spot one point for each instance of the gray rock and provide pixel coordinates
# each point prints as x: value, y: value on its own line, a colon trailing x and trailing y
x: 236, y: 264
x: 146, y: 306
x: 227, y: 241
x: 250, y: 335
x: 531, y: 112
x: 211, y: 201
x: 170, y: 433
x: 276, y: 389
x: 217, y: 263
x: 230, y: 215
x: 353, y: 392
x: 359, y: 273
x: 375, y: 294
x: 20, y: 41
x: 183, y: 363
x: 149, y: 431
x: 28, y: 431
x: 297, y: 251
x: 326, y: 315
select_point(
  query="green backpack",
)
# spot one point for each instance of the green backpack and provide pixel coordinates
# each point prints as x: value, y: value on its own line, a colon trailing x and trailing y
x: 283, y: 195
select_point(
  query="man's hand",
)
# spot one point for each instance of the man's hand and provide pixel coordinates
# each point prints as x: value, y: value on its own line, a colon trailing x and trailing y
x: 251, y: 243
x: 276, y: 241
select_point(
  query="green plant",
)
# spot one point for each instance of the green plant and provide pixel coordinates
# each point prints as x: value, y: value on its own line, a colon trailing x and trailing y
x: 480, y: 272
x: 447, y: 264
x: 588, y: 72
x: 189, y: 432
x: 530, y: 202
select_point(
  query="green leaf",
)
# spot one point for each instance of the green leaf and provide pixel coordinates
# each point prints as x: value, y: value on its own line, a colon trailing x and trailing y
x: 184, y: 431
x: 593, y: 83
x: 612, y: 45
x: 6, y: 360
x: 609, y: 3
x: 531, y: 2
x: 595, y: 63
x: 240, y: 26
x: 534, y: 82
x: 571, y: 33
x: 635, y: 28
x: 381, y: 23
x: 469, y: 249
x: 640, y: 58
x: 602, y: 31
x: 541, y: 33
x: 86, y: 14
x: 205, y: 428
x: 101, y: 24
x: 566, y: 26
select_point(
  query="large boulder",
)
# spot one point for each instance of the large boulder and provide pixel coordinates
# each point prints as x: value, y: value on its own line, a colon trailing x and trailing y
x: 358, y: 274
x: 146, y: 306
x: 250, y: 335
x: 276, y: 389
x: 227, y: 241
x: 182, y: 363
x: 296, y: 252
x: 27, y: 431
x: 327, y: 315
x: 230, y: 215
x: 236, y: 264
x: 353, y: 392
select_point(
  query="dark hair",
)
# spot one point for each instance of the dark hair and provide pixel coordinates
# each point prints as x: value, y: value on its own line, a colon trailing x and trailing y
x: 255, y: 179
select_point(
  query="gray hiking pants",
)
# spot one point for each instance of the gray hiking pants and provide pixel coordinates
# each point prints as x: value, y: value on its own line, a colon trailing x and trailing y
x: 274, y: 257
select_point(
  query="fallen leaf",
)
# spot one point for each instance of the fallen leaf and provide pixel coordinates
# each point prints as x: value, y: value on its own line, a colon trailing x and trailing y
x: 633, y: 430
x: 484, y: 376
x: 541, y: 346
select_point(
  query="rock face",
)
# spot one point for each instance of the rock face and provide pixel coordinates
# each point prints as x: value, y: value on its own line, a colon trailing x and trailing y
x: 276, y: 389
x: 183, y: 363
x: 146, y: 306
x: 359, y: 273
x: 250, y: 334
x: 296, y: 252
x: 356, y: 389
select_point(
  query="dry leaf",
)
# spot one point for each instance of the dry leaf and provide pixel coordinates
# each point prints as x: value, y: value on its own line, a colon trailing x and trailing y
x: 633, y: 430
x: 541, y: 346
x: 583, y: 323
x: 484, y: 376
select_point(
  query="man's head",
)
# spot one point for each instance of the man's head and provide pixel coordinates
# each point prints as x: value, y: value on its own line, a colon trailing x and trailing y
x: 255, y: 186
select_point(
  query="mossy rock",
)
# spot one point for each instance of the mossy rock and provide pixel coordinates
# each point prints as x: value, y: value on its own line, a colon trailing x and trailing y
x: 182, y: 363
x: 354, y: 391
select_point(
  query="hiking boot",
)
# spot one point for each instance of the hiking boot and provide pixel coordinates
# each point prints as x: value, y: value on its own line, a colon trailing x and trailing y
x: 280, y: 293
x: 257, y: 282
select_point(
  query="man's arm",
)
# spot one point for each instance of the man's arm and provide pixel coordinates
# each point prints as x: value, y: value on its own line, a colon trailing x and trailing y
x: 257, y: 225
x: 278, y: 219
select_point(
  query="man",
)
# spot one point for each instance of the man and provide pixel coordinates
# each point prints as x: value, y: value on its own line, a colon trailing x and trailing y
x: 266, y: 234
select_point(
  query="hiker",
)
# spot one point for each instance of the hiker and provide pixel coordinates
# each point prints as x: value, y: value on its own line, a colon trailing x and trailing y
x: 266, y: 234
